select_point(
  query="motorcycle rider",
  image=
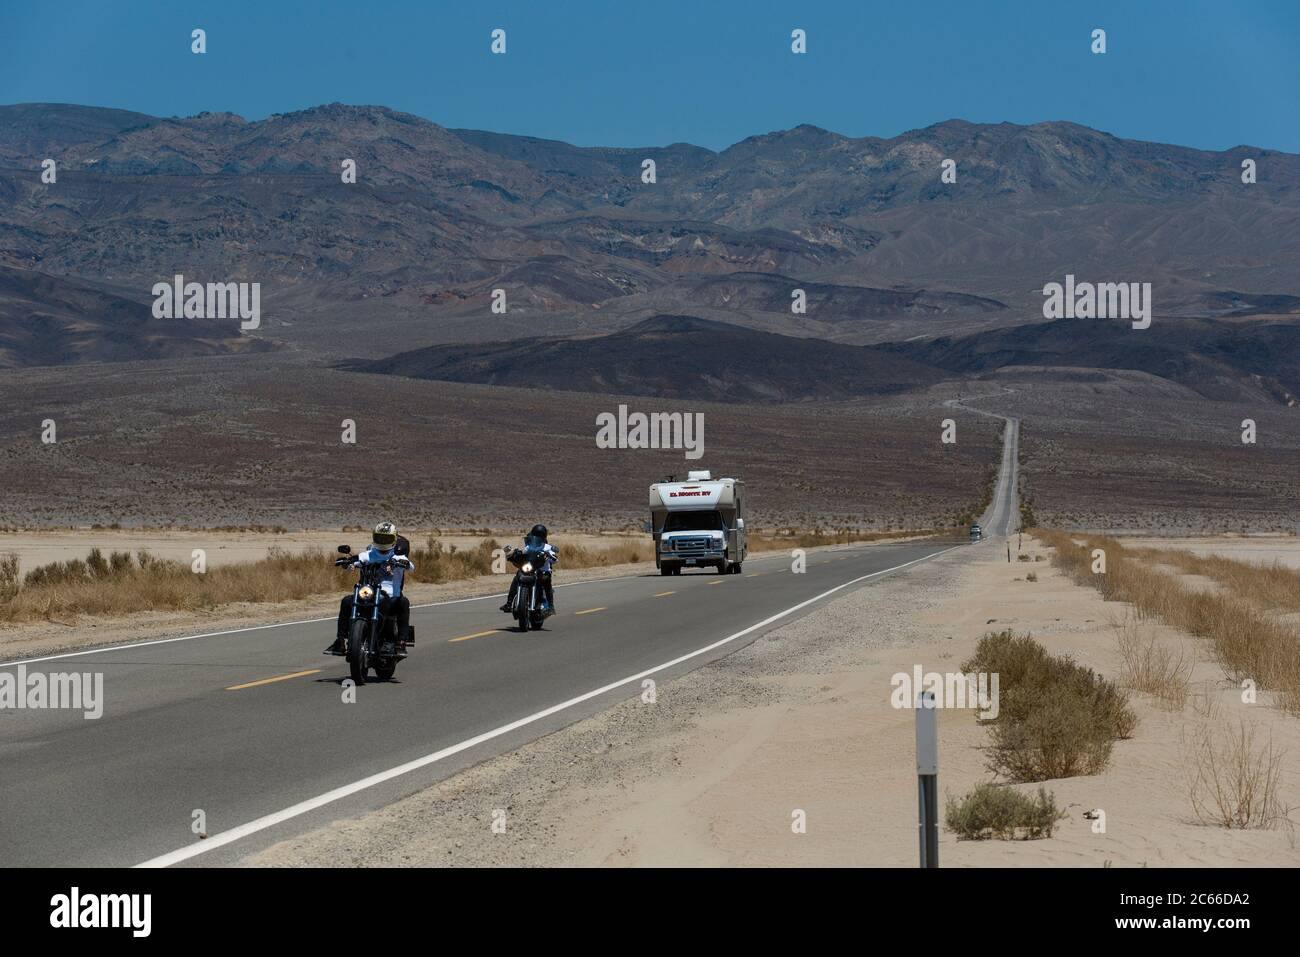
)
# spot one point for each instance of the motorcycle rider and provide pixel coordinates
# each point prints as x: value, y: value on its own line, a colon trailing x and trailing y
x: 537, y: 537
x: 386, y: 547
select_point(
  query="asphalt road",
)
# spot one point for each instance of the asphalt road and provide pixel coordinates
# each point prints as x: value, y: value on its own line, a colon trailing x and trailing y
x: 1002, y: 517
x: 251, y: 728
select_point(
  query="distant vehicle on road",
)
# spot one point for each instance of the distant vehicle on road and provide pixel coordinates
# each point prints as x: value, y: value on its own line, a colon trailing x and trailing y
x: 976, y: 533
x: 698, y: 523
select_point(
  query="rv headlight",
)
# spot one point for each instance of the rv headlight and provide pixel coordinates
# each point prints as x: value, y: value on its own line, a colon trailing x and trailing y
x: 366, y: 593
x: 528, y: 566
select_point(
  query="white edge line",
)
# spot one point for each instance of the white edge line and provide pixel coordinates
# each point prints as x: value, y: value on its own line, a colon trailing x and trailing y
x: 303, y: 621
x: 303, y: 807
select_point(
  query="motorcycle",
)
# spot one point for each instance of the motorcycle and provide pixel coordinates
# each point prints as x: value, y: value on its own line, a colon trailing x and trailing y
x: 530, y: 594
x: 372, y: 636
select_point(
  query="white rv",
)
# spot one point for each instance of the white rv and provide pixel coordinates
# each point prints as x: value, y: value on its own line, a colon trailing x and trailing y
x: 698, y: 523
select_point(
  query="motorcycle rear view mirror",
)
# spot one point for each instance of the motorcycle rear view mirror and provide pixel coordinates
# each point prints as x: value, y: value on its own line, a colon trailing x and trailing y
x: 345, y: 549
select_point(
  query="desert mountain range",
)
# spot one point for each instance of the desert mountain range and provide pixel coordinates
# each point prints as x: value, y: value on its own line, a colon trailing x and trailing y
x: 610, y: 281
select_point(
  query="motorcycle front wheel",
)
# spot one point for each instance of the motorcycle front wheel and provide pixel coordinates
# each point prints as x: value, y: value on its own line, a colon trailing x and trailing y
x: 385, y: 665
x: 522, y: 604
x: 358, y: 658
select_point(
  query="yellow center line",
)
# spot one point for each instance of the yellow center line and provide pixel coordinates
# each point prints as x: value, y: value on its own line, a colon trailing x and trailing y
x: 477, y: 634
x: 718, y: 581
x: 662, y: 593
x: 753, y: 574
x: 267, y: 681
x: 590, y: 610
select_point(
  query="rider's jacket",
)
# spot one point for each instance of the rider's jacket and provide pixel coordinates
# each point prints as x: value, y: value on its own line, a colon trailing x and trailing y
x: 391, y: 583
x: 548, y: 550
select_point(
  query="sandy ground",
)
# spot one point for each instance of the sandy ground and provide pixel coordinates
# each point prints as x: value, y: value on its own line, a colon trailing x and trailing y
x: 1259, y: 549
x: 712, y: 771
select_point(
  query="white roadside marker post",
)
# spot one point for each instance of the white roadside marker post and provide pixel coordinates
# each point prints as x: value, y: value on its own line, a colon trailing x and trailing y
x: 927, y: 777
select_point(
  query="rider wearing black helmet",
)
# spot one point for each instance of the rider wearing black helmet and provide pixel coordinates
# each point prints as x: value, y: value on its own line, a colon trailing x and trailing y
x: 536, y: 538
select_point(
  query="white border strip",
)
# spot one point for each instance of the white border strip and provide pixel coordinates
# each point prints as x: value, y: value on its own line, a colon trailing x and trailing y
x: 270, y: 820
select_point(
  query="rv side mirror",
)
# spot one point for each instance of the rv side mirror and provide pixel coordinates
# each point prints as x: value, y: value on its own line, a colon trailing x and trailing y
x: 740, y: 523
x: 345, y: 549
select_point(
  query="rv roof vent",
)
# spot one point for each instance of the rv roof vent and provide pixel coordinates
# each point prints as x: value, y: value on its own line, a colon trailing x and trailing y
x: 699, y: 476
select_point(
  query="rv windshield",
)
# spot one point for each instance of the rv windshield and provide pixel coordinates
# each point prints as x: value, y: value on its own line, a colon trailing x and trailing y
x: 695, y: 520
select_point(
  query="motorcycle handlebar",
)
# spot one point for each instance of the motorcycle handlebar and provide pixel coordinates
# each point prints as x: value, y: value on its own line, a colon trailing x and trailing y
x: 353, y: 560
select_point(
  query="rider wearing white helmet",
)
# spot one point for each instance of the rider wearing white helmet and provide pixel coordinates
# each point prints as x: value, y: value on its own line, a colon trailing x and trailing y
x: 386, y: 548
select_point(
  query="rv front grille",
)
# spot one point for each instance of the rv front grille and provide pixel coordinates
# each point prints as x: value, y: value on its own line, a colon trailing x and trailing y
x: 692, y: 547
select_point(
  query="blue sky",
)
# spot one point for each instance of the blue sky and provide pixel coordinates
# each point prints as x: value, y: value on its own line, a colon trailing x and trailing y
x: 621, y: 73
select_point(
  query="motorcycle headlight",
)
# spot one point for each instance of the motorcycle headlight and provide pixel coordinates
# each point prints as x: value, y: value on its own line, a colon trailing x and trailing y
x: 366, y: 593
x: 528, y: 566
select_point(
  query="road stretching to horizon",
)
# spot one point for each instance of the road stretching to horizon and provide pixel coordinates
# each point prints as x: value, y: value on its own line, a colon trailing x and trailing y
x: 249, y: 728
x: 1002, y: 516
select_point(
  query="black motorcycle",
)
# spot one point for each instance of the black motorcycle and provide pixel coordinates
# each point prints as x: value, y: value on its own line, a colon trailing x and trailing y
x: 372, y: 635
x: 530, y: 594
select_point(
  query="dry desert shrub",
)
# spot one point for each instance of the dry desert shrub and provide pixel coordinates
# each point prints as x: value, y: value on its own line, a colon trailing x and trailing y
x: 1232, y: 777
x: 623, y: 553
x: 1149, y: 666
x: 1247, y: 642
x: 120, y: 584
x: 8, y: 576
x: 1056, y: 718
x: 1272, y: 586
x: 992, y: 811
x: 438, y: 563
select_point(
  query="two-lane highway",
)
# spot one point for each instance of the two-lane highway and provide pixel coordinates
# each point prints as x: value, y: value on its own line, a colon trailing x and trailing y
x: 251, y: 728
